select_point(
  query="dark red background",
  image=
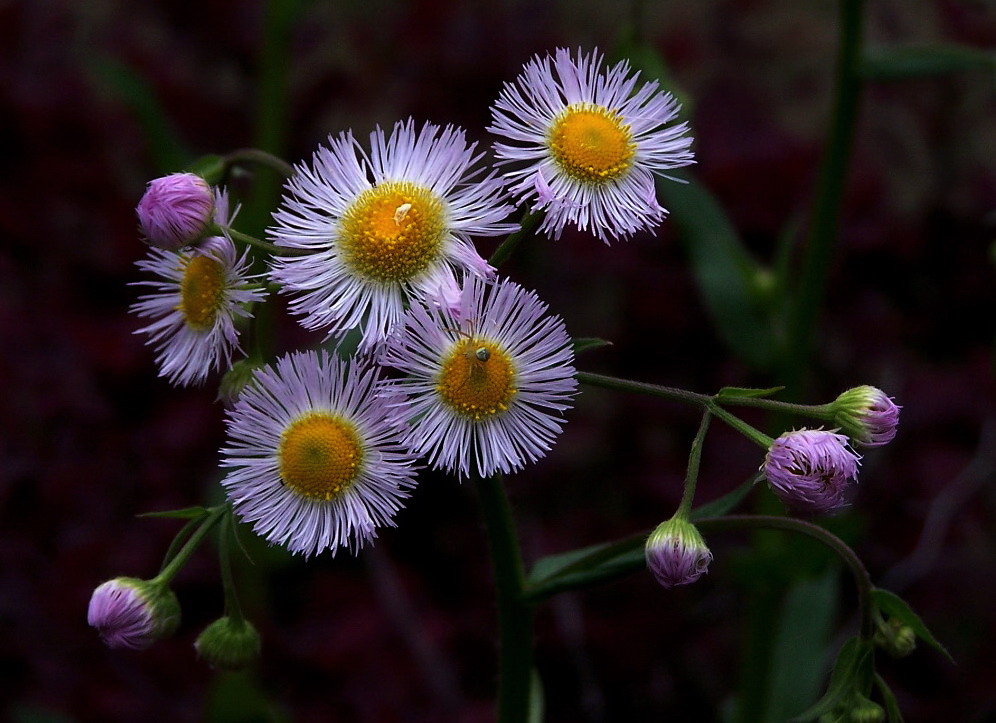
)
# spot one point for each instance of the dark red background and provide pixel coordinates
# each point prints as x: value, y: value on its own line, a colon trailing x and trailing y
x: 89, y: 437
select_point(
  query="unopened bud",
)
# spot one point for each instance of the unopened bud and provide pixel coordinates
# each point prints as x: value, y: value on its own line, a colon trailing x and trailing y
x: 229, y: 644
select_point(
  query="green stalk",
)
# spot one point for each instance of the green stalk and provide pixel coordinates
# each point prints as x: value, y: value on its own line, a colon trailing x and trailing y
x: 692, y: 475
x: 255, y: 155
x: 625, y: 385
x: 167, y: 574
x: 816, y: 411
x: 508, y: 246
x: 260, y: 244
x: 515, y: 617
x: 752, y: 433
x: 226, y: 533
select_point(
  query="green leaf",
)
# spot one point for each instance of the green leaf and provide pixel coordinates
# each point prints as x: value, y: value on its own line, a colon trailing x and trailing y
x: 210, y: 168
x: 892, y: 712
x: 186, y: 513
x: 916, y: 61
x: 537, y: 701
x: 895, y: 606
x: 585, y: 567
x: 726, y: 273
x: 747, y: 392
x: 725, y: 503
x: 849, y: 670
x: 587, y: 343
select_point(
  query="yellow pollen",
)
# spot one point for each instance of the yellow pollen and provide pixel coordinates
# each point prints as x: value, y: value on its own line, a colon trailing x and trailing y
x: 320, y: 456
x: 392, y: 232
x: 591, y: 144
x: 201, y: 292
x: 477, y: 384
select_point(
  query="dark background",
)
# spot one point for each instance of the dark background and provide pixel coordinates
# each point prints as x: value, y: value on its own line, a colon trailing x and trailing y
x: 90, y: 437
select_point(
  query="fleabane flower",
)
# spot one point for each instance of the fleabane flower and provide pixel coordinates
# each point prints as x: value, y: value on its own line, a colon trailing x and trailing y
x: 867, y: 414
x: 811, y: 470
x: 175, y: 211
x: 194, y: 305
x: 314, y: 456
x: 131, y: 613
x: 676, y: 554
x: 583, y: 143
x: 383, y: 228
x: 488, y: 380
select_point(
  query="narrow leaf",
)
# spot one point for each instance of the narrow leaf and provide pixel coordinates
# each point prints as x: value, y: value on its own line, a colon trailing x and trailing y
x: 725, y: 503
x: 894, y: 715
x: 917, y: 61
x: 747, y: 392
x: 186, y: 513
x: 537, y: 700
x: 893, y: 605
x: 844, y: 679
x: 587, y: 343
x: 585, y: 567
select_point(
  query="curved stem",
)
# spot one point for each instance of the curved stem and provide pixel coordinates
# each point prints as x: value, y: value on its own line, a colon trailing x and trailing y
x: 515, y: 616
x: 167, y: 574
x: 233, y: 608
x: 266, y: 246
x: 255, y: 155
x: 862, y: 579
x: 508, y: 246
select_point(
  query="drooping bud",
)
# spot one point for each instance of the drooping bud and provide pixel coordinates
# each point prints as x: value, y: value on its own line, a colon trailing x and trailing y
x: 132, y: 613
x: 176, y: 211
x: 867, y: 415
x: 676, y: 553
x: 236, y: 379
x: 895, y: 637
x: 811, y: 470
x: 229, y: 644
x: 866, y: 711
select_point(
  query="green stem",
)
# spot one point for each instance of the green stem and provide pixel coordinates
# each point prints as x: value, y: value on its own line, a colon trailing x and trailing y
x: 692, y: 475
x: 811, y: 288
x: 226, y: 532
x: 255, y: 155
x: 266, y: 246
x: 862, y: 579
x: 752, y: 433
x: 505, y: 249
x: 625, y: 385
x: 167, y: 574
x: 181, y: 537
x: 515, y: 617
x: 816, y: 411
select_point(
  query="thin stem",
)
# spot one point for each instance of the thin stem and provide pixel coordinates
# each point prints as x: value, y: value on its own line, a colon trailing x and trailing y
x: 692, y: 475
x: 862, y: 580
x: 266, y: 246
x: 226, y: 533
x: 816, y: 411
x: 505, y: 249
x: 752, y: 433
x: 179, y: 539
x: 625, y: 385
x: 176, y: 564
x: 255, y: 155
x: 515, y: 617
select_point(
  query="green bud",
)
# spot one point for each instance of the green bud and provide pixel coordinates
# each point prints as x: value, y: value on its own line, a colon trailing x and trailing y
x: 866, y: 711
x: 229, y: 644
x: 236, y: 379
x: 895, y: 637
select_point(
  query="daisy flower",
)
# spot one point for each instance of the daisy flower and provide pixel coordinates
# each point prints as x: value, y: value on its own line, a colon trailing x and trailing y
x: 195, y: 303
x: 314, y: 454
x: 585, y: 143
x: 384, y: 227
x: 487, y: 381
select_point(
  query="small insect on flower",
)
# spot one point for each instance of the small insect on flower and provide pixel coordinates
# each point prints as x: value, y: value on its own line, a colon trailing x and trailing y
x: 487, y: 381
x: 199, y: 296
x: 811, y: 470
x: 583, y: 143
x: 314, y: 454
x: 384, y: 227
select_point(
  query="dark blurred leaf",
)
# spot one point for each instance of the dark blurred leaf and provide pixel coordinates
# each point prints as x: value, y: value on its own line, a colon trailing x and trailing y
x: 587, y: 343
x: 747, y: 392
x: 185, y: 513
x: 585, y: 567
x: 168, y: 151
x: 805, y: 624
x: 237, y: 698
x: 923, y: 60
x: 895, y: 606
x: 894, y: 715
x: 537, y: 702
x: 849, y: 670
x: 726, y: 273
x: 210, y: 168
x: 725, y: 503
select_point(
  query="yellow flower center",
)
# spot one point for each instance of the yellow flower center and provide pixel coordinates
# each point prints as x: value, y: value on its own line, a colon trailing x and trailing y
x: 201, y: 291
x: 392, y: 232
x: 477, y: 379
x: 591, y: 143
x: 320, y: 456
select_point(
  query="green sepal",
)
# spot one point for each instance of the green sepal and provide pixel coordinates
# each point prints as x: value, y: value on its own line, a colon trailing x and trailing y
x: 185, y: 513
x: 229, y: 644
x: 894, y: 606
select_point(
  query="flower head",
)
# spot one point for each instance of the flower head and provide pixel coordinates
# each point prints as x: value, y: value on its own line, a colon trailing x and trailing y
x: 314, y: 457
x: 487, y: 381
x: 229, y: 644
x: 132, y: 613
x: 676, y: 553
x: 194, y: 305
x: 811, y: 469
x: 176, y: 210
x: 383, y: 228
x: 867, y: 415
x: 585, y: 142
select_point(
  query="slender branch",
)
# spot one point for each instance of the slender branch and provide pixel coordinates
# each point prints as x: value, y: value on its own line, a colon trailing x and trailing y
x: 177, y: 563
x: 508, y: 246
x: 816, y: 411
x: 694, y: 458
x: 266, y: 246
x: 226, y: 533
x: 255, y: 155
x: 752, y: 433
x: 515, y: 616
x: 625, y: 385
